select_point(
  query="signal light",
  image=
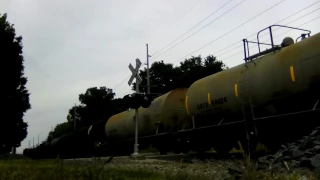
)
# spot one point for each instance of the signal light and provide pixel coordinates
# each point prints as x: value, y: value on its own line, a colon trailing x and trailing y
x: 134, y: 101
x: 146, y: 101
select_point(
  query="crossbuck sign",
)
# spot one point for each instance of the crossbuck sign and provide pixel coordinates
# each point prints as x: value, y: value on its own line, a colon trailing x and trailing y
x: 135, y: 72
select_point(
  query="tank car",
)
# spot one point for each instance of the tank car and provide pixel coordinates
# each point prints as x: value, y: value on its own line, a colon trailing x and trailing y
x: 165, y: 114
x: 261, y: 98
x: 272, y: 98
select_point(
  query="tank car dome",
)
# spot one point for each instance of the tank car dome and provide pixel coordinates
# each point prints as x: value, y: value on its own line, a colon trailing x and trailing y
x: 287, y: 41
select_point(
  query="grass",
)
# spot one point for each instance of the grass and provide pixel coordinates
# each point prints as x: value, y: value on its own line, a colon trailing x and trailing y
x: 26, y: 169
x: 59, y: 170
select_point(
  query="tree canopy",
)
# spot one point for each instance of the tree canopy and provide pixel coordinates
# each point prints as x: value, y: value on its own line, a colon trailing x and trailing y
x: 13, y: 93
x: 60, y: 130
x: 164, y: 77
x: 95, y: 105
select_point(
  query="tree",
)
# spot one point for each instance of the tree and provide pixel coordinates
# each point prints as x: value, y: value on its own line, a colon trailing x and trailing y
x: 195, y: 68
x: 165, y: 77
x: 14, y: 95
x: 59, y: 130
x: 79, y: 111
x: 96, y: 105
x: 162, y: 78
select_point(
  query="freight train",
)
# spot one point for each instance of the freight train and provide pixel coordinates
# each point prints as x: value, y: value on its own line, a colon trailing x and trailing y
x: 271, y: 98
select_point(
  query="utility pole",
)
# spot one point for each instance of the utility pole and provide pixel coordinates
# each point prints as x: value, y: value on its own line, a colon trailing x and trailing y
x: 38, y: 140
x: 74, y: 116
x: 33, y: 142
x: 148, y: 74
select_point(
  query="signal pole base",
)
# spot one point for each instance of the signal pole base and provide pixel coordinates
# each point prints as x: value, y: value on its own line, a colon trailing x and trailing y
x: 136, y: 150
x: 136, y: 154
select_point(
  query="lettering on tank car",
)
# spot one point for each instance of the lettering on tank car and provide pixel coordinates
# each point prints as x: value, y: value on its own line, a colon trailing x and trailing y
x: 214, y: 102
x: 219, y: 101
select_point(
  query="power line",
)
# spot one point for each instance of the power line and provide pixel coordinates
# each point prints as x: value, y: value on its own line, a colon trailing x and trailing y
x: 274, y: 37
x: 272, y: 31
x: 298, y: 26
x: 121, y: 82
x: 274, y: 23
x: 286, y: 31
x: 128, y: 91
x: 232, y: 55
x: 230, y: 31
x: 186, y: 12
x: 193, y: 27
x: 200, y: 29
x: 293, y: 20
x: 247, y: 36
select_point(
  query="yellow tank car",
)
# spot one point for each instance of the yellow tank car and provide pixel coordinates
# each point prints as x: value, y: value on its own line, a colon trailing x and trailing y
x: 165, y: 113
x: 278, y: 82
x: 274, y: 91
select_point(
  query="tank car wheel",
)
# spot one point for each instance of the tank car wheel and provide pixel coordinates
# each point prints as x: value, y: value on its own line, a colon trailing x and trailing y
x: 181, y: 149
x: 176, y: 149
x: 162, y: 148
x: 162, y: 151
x: 201, y: 148
x: 244, y: 146
x: 223, y: 148
x: 183, y: 146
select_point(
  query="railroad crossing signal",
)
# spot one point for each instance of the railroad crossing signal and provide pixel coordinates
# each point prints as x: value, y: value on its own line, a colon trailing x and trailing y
x: 135, y: 72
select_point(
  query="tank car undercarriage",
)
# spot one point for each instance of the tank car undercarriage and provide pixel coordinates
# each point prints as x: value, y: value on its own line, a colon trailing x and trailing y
x: 272, y: 132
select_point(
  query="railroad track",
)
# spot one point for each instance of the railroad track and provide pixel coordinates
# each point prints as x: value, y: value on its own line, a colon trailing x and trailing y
x: 187, y: 158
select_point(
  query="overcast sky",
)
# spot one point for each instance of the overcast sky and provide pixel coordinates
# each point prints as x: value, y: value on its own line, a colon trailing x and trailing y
x: 72, y: 45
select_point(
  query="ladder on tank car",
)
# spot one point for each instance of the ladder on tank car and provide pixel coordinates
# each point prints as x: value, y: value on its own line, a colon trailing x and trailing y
x: 244, y: 84
x: 247, y: 109
x: 274, y: 48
